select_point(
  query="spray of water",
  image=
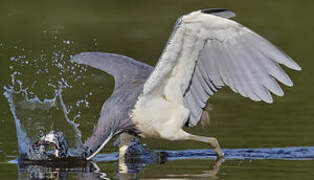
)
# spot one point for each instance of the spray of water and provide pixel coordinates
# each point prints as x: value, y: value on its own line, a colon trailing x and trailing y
x: 35, y: 94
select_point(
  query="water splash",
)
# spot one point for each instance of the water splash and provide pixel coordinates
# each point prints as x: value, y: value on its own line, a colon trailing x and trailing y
x: 23, y: 140
x: 20, y: 98
x: 35, y: 93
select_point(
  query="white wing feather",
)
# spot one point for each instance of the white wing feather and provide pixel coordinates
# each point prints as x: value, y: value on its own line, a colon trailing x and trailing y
x: 207, y: 52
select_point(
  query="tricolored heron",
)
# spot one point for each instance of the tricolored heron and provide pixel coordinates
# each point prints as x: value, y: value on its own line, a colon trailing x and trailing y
x: 205, y: 52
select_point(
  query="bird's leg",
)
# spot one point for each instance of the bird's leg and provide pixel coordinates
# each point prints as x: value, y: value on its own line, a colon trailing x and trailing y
x: 211, y: 140
x: 125, y: 140
x: 182, y: 135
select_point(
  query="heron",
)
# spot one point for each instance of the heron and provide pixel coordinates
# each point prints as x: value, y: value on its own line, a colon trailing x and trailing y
x: 205, y: 52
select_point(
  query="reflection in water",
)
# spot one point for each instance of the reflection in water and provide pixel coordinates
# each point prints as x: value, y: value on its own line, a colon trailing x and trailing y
x: 205, y: 174
x: 60, y: 170
x: 136, y: 163
x: 132, y: 167
x: 212, y: 172
x: 128, y: 169
x: 133, y: 156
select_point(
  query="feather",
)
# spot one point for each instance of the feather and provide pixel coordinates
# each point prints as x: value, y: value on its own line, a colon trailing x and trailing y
x: 122, y: 68
x: 232, y: 55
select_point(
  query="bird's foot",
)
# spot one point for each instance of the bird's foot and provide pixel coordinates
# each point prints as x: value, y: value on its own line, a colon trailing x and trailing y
x: 221, y: 155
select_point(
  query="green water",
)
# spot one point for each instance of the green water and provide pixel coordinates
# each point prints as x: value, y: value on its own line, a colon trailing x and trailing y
x: 140, y: 30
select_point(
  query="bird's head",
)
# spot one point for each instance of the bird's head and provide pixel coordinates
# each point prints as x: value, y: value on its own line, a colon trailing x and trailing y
x: 57, y: 140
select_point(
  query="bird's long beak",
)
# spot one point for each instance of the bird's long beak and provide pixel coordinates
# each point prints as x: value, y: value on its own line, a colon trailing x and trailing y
x: 95, y: 144
x: 102, y: 133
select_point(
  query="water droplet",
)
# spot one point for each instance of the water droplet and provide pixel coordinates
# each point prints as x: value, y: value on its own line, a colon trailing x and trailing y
x: 13, y: 59
x: 67, y: 41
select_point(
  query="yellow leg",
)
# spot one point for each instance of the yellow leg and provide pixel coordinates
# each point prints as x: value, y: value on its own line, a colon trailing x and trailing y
x: 182, y: 135
x: 125, y: 140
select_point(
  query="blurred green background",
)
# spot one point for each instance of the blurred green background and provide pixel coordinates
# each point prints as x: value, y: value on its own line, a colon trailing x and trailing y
x: 140, y: 29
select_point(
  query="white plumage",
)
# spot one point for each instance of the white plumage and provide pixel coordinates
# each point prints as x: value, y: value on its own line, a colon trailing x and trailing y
x: 204, y: 53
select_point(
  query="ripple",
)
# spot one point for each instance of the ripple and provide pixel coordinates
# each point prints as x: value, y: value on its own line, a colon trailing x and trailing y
x: 287, y: 153
x: 284, y: 153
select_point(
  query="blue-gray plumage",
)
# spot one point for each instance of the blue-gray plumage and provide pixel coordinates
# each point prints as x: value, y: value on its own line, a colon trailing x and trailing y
x: 205, y: 52
x: 130, y: 76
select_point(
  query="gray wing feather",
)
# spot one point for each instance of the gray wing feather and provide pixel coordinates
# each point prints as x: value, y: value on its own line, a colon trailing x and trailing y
x: 247, y: 63
x: 124, y: 69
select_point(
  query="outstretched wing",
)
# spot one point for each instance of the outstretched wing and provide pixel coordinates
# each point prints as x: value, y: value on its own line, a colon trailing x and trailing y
x: 124, y: 69
x: 206, y: 52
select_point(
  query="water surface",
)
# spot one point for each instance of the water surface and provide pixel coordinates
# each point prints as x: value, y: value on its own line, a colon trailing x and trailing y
x: 37, y: 35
